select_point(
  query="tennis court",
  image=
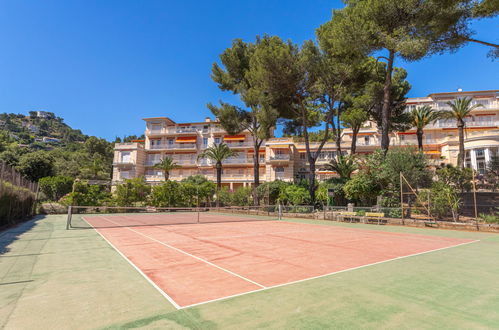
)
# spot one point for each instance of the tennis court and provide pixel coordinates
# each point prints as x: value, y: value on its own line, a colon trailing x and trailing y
x: 197, y: 257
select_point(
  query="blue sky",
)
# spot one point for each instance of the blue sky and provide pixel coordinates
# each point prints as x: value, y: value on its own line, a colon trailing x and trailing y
x: 104, y: 65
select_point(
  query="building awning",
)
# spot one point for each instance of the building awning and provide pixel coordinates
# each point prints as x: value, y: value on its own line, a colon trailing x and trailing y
x: 186, y: 139
x: 406, y: 133
x: 432, y: 152
x: 239, y: 137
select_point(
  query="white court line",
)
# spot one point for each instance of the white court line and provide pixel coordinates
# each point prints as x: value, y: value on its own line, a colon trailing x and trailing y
x: 163, y: 293
x: 192, y: 256
x: 263, y: 288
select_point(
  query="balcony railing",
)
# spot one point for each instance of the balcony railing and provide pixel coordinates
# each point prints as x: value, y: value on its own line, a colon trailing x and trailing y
x: 237, y: 161
x: 124, y: 162
x: 280, y: 157
x: 452, y: 124
x: 128, y: 145
x: 239, y: 144
x: 187, y: 130
x: 174, y: 146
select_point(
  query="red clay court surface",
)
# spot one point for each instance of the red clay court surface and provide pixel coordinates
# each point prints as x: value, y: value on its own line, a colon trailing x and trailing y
x: 196, y: 263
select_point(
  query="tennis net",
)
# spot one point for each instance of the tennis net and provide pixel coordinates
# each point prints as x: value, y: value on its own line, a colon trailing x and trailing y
x: 111, y: 216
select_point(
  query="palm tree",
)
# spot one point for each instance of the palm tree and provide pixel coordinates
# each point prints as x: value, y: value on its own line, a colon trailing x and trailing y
x: 218, y: 153
x: 344, y: 166
x: 420, y: 118
x: 460, y: 109
x: 166, y: 164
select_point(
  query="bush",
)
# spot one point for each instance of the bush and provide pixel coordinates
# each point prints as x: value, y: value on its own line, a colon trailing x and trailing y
x: 490, y: 218
x: 16, y: 203
x: 133, y: 192
x: 87, y: 195
x: 295, y: 195
x: 54, y: 187
x: 269, y: 192
x: 168, y: 194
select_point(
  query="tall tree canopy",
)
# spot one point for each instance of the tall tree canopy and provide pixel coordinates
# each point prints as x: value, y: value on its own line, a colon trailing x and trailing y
x: 259, y: 117
x: 409, y: 29
x: 305, y: 84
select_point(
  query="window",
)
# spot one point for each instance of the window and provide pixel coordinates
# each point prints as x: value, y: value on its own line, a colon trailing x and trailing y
x: 302, y: 155
x: 217, y: 140
x: 279, y: 169
x: 171, y: 141
x: 205, y: 142
x: 156, y: 128
x: 125, y: 174
x: 366, y: 139
x: 125, y: 157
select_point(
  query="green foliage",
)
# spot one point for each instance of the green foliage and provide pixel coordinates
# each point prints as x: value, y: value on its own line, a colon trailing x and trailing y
x: 55, y: 187
x: 492, y: 173
x: 198, y: 189
x: 420, y: 118
x: 295, y: 195
x: 490, y: 218
x: 457, y: 178
x: 363, y: 187
x: 380, y: 176
x: 444, y: 200
x: 75, y: 155
x: 16, y: 203
x: 269, y: 192
x: 132, y: 192
x: 218, y: 153
x: 344, y: 166
x: 85, y: 194
x: 167, y: 165
x: 36, y: 165
x: 242, y: 196
x: 167, y: 194
x: 460, y: 109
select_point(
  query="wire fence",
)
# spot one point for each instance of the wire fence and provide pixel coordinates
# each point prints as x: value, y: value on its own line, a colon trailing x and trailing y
x: 17, y: 196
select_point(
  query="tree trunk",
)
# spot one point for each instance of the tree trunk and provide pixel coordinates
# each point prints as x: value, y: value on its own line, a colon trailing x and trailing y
x: 353, y: 147
x: 419, y: 135
x: 460, y: 157
x: 167, y: 175
x: 219, y: 181
x: 387, y: 100
x: 256, y: 171
x: 311, y: 182
x: 338, y: 136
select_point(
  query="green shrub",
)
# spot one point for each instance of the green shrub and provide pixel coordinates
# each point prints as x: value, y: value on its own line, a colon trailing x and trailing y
x: 490, y: 218
x: 54, y: 187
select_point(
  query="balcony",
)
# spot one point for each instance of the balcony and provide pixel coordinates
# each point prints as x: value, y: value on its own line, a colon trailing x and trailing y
x: 174, y: 146
x: 183, y: 130
x: 128, y: 146
x: 452, y: 124
x: 280, y: 158
x: 217, y: 130
x: 185, y: 162
x: 239, y: 144
x: 124, y: 162
x: 236, y: 160
x: 154, y: 178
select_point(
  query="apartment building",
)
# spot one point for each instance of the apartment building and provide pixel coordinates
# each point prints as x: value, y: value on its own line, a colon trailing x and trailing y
x: 285, y: 158
x: 184, y: 142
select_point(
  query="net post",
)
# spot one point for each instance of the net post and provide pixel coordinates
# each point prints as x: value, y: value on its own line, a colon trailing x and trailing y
x: 68, y: 220
x: 279, y: 212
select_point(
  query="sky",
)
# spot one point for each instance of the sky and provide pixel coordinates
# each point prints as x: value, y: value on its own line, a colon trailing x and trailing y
x: 103, y: 65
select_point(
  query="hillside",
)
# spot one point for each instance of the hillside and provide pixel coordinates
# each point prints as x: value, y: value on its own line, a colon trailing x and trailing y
x: 41, y: 144
x: 39, y: 126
